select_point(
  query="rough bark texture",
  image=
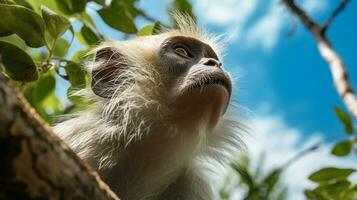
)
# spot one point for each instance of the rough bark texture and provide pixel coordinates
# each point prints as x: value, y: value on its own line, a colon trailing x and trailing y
x: 34, y: 162
x: 335, y: 62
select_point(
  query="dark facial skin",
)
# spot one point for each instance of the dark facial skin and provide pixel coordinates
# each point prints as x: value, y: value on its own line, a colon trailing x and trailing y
x: 197, y: 67
x: 192, y: 69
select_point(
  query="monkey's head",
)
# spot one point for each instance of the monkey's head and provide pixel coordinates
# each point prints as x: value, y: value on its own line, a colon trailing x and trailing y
x: 178, y: 72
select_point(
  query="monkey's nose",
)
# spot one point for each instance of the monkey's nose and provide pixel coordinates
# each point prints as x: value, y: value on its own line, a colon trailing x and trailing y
x: 211, y: 62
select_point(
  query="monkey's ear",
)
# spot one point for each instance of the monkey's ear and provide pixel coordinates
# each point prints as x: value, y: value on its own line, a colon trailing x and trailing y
x: 105, y: 78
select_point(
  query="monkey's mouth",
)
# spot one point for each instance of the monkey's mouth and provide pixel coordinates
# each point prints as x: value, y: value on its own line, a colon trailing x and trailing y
x: 208, y: 81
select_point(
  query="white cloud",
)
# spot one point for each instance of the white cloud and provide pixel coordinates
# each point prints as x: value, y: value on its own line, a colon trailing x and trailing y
x: 233, y: 16
x: 280, y: 142
x: 313, y: 6
x: 266, y: 31
x: 230, y: 14
x: 225, y: 12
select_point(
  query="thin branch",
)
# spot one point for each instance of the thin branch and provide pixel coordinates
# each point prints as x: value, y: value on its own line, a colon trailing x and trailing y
x: 305, y: 19
x: 335, y: 13
x: 302, y: 153
x: 336, y: 64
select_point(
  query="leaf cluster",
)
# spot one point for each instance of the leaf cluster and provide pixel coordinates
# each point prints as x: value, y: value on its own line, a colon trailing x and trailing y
x: 43, y: 44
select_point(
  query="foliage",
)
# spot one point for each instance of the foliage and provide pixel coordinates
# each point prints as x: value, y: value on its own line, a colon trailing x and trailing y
x: 333, y: 182
x: 38, y: 53
x: 257, y: 184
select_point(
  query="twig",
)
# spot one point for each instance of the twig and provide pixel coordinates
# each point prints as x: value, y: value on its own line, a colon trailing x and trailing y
x: 336, y: 65
x: 301, y: 154
x: 334, y: 14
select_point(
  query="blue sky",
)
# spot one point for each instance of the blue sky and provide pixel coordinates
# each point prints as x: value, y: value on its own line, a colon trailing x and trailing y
x: 275, y: 73
x: 281, y: 79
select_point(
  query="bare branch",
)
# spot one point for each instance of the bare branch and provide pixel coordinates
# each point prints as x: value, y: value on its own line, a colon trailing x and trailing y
x: 336, y: 64
x: 335, y: 13
x: 305, y: 19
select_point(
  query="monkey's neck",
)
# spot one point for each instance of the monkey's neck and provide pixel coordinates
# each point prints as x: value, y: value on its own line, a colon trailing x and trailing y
x: 152, y: 162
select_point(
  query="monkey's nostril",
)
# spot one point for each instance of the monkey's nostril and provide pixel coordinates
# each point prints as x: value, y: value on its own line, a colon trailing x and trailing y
x: 212, y: 62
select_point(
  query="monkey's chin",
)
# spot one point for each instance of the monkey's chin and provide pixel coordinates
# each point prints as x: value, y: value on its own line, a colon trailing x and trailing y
x: 207, y: 104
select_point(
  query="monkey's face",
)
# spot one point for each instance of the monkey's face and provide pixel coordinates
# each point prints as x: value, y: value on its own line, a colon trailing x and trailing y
x: 199, y: 85
x: 192, y: 83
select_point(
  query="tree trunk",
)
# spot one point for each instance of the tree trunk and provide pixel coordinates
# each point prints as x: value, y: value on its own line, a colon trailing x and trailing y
x: 34, y: 162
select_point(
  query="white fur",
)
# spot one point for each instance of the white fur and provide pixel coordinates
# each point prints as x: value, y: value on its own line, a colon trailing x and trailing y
x: 136, y: 140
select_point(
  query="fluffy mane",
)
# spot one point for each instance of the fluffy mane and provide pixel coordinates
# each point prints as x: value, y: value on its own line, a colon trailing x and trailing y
x: 139, y: 108
x: 186, y: 26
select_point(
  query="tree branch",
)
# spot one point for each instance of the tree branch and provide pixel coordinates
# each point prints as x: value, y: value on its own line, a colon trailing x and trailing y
x: 35, y: 163
x: 335, y: 13
x: 336, y: 65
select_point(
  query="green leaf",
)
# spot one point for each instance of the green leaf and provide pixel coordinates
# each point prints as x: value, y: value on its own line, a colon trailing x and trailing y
x: 41, y: 95
x: 79, y: 55
x: 76, y: 75
x: 346, y: 119
x: 146, y: 30
x: 29, y: 93
x: 50, y: 107
x: 333, y: 190
x: 244, y: 175
x: 128, y: 5
x: 56, y: 24
x: 119, y: 18
x: 4, y: 32
x: 45, y: 86
x: 90, y: 35
x: 342, y: 148
x: 224, y: 194
x: 18, y: 2
x: 73, y: 97
x: 77, y: 78
x: 272, y: 179
x: 150, y: 29
x: 24, y: 3
x: 330, y: 173
x: 7, y: 2
x: 100, y: 2
x: 182, y: 6
x: 87, y: 18
x: 157, y: 28
x: 313, y: 195
x: 61, y: 48
x: 36, y: 4
x: 70, y: 7
x: 15, y: 40
x: 351, y: 193
x: 18, y: 64
x: 24, y: 22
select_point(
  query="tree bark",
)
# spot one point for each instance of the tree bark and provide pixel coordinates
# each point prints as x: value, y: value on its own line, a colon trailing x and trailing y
x: 34, y: 162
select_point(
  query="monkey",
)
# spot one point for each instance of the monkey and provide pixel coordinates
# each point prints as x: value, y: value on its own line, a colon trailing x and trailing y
x: 158, y: 114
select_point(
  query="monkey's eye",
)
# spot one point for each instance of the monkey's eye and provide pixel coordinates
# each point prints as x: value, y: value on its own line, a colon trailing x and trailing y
x: 181, y: 51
